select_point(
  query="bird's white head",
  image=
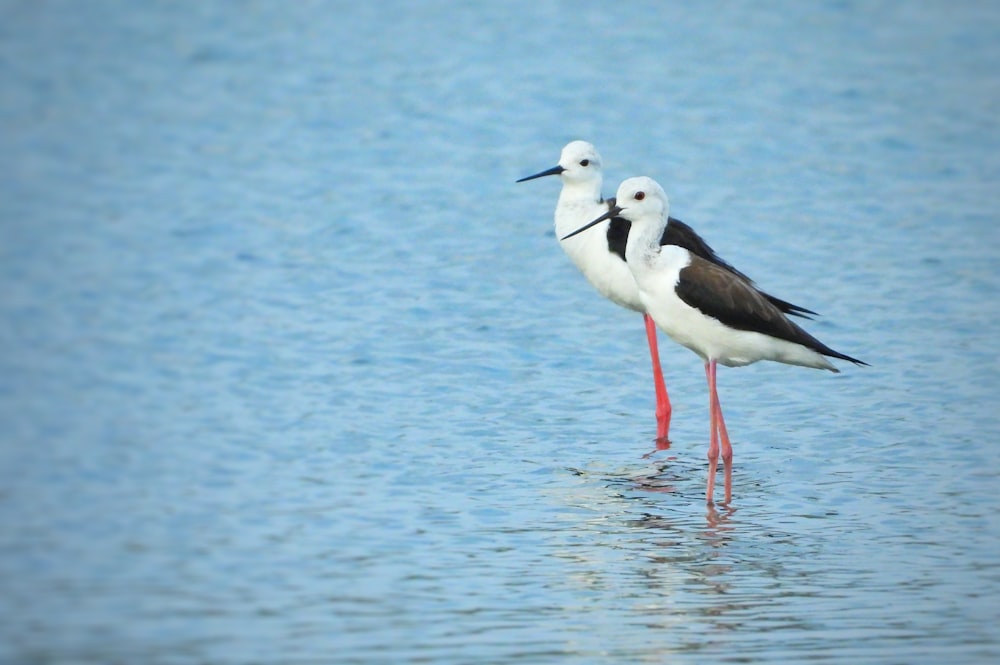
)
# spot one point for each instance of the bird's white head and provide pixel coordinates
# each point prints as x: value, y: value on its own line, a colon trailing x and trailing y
x: 639, y: 200
x: 580, y: 162
x: 642, y: 199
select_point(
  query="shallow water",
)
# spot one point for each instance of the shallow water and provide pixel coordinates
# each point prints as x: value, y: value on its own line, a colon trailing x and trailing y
x: 294, y: 372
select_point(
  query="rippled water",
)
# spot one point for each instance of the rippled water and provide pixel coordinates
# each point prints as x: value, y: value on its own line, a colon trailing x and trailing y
x: 292, y: 370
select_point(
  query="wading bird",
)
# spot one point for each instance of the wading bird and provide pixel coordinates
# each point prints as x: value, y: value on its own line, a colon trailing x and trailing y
x: 713, y: 311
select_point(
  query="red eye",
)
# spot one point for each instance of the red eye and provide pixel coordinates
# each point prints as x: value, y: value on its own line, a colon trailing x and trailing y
x: 585, y: 162
x: 639, y: 196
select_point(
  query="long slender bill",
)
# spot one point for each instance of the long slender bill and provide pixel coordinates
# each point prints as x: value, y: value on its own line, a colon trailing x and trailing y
x: 555, y: 170
x: 615, y: 210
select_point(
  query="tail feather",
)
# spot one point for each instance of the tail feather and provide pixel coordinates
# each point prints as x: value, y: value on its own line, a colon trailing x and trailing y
x: 789, y: 308
x: 842, y: 356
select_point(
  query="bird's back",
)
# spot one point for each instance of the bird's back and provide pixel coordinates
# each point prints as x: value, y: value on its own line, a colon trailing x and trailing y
x: 721, y: 316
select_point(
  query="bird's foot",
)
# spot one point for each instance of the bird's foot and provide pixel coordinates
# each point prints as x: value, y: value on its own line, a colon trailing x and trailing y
x: 662, y: 443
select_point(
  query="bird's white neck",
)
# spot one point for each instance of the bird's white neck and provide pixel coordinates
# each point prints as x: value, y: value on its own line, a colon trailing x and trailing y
x: 579, y: 202
x: 586, y: 191
x: 644, y: 242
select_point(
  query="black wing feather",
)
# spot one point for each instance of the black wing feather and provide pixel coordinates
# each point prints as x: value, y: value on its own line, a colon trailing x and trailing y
x: 680, y: 234
x: 717, y: 293
x: 618, y: 229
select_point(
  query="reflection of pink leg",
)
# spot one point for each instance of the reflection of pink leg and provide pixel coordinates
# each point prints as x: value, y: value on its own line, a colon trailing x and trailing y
x: 713, y: 440
x: 663, y: 409
x: 720, y: 423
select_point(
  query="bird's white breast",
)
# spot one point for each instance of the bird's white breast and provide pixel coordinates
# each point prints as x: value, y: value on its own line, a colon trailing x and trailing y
x: 604, y: 269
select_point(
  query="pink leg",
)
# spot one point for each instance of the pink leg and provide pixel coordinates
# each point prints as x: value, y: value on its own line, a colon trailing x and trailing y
x: 713, y: 445
x: 720, y: 423
x: 663, y: 409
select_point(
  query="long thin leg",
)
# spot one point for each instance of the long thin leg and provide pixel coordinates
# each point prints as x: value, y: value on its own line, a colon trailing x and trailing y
x: 663, y: 408
x: 720, y: 423
x: 713, y: 440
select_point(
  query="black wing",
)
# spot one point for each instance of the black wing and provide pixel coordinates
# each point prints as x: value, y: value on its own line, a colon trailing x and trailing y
x: 680, y: 234
x: 722, y: 295
x: 618, y: 229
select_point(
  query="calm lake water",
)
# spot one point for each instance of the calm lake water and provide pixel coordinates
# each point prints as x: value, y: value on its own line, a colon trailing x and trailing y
x: 293, y: 372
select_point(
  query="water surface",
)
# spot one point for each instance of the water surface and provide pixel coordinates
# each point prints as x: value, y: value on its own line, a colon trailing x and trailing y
x: 293, y: 372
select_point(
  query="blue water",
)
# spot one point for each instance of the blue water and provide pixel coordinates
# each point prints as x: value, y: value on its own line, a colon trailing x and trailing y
x: 293, y: 372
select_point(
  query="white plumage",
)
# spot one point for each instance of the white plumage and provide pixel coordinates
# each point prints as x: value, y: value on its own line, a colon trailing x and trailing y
x: 580, y: 201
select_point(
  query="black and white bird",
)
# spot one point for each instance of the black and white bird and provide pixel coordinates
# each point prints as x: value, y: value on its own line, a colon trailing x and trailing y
x: 600, y: 256
x: 715, y: 312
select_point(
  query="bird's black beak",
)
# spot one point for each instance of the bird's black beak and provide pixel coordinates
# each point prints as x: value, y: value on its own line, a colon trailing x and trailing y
x: 555, y: 170
x: 613, y: 212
